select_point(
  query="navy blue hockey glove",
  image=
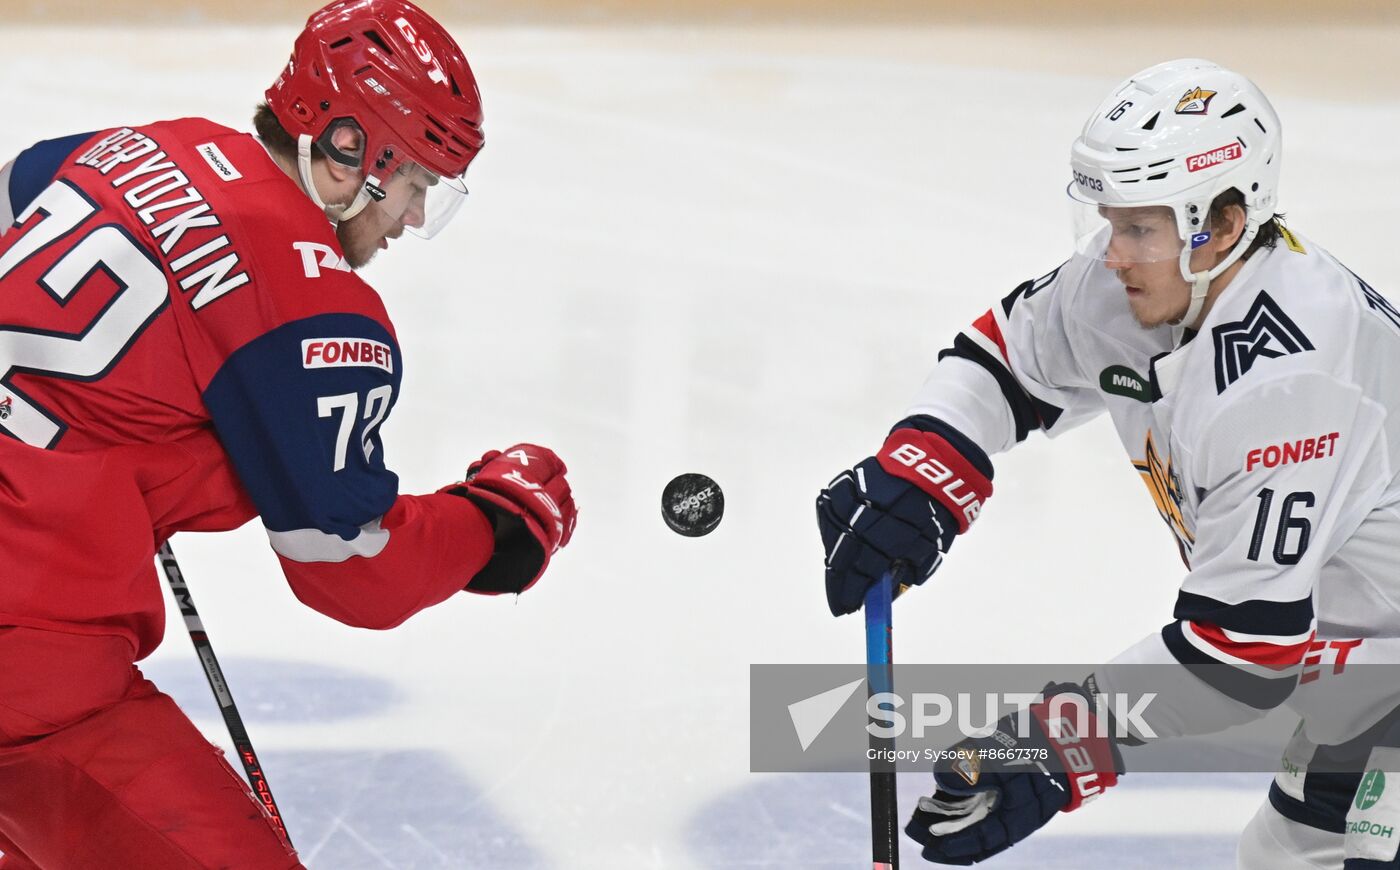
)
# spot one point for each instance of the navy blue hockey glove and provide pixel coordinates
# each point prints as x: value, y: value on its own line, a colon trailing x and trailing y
x: 993, y: 792
x: 904, y: 505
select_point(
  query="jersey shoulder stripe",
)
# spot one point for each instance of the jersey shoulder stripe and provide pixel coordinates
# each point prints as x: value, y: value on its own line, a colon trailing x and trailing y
x: 1259, y: 687
x: 298, y: 410
x: 1255, y: 617
x: 36, y: 167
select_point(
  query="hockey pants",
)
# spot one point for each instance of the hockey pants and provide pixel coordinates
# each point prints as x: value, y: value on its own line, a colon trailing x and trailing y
x: 99, y: 769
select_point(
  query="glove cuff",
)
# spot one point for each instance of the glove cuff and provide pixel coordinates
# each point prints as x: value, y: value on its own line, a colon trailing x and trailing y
x: 934, y: 465
x: 518, y: 559
x: 1088, y: 759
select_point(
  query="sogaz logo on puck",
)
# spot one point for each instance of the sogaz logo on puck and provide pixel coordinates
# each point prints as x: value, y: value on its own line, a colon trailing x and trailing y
x: 692, y: 505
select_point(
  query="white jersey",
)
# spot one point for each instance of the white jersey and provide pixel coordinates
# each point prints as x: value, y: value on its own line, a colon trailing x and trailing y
x: 1267, y: 441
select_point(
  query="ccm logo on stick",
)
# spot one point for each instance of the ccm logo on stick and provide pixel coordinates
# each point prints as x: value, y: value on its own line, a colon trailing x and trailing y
x: 954, y: 488
x: 329, y: 353
x: 1289, y: 452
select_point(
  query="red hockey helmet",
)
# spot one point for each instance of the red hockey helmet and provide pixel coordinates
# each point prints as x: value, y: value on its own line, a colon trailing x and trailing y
x: 389, y: 69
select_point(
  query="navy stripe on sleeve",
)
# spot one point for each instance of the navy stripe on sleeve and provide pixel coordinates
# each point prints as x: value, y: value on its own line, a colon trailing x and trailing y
x: 1028, y: 412
x: 298, y: 409
x: 35, y: 167
x: 1276, y: 618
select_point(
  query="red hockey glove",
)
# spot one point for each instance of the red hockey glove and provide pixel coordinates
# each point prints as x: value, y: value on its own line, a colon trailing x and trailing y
x: 524, y: 494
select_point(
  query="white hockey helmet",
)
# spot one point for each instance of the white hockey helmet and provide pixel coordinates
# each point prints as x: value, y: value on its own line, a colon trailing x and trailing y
x: 1177, y: 134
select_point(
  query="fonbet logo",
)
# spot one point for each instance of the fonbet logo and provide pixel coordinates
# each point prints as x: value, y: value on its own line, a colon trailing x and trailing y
x: 1214, y: 157
x: 331, y: 353
x: 1289, y: 452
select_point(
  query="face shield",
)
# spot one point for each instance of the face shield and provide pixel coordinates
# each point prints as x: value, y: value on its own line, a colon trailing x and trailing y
x: 421, y: 200
x: 1131, y: 235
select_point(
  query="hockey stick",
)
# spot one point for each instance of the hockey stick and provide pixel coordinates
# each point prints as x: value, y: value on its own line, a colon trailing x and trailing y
x: 222, y: 694
x: 879, y: 671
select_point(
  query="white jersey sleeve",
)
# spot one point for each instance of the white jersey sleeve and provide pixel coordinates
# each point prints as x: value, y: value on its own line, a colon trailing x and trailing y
x: 1280, y: 469
x: 1025, y: 350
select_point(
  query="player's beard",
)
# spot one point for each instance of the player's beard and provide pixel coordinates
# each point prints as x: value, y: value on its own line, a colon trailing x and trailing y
x: 1152, y: 313
x: 1165, y: 301
x: 359, y: 241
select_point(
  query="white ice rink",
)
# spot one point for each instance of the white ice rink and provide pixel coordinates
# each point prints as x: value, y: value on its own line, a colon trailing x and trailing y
x: 735, y: 251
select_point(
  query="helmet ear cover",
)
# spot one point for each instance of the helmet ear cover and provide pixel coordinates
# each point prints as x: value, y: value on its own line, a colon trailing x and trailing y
x: 326, y: 145
x: 354, y: 160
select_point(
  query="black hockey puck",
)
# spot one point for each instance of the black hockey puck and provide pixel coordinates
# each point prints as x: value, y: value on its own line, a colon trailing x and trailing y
x: 692, y: 505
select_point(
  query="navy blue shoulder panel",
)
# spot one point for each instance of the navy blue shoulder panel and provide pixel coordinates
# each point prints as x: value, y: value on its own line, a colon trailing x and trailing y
x: 36, y: 166
x: 298, y: 409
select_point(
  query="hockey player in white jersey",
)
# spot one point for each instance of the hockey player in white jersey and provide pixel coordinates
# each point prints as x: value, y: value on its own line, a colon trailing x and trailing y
x: 1252, y: 381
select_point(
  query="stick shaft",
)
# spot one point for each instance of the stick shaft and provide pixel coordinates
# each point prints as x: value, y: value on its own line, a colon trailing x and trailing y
x: 879, y: 659
x: 223, y: 696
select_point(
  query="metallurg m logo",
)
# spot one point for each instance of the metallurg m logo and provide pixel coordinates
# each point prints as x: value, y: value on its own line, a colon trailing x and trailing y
x: 1264, y: 333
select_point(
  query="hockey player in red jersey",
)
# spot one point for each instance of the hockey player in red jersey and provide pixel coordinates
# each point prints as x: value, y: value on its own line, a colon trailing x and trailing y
x: 184, y: 345
x: 1250, y: 377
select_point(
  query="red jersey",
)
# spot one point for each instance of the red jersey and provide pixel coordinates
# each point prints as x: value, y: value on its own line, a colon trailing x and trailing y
x: 182, y: 347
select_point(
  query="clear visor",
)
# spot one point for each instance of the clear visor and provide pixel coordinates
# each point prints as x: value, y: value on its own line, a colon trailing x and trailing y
x: 422, y: 201
x: 1129, y: 234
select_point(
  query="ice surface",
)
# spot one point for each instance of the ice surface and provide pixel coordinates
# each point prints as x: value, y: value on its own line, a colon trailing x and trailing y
x: 727, y: 251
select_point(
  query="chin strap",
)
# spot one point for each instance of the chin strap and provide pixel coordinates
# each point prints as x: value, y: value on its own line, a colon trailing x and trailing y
x: 1200, y: 286
x: 1200, y: 281
x: 334, y: 213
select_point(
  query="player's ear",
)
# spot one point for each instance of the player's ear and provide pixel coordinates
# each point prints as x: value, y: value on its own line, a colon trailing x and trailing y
x: 346, y: 139
x: 1233, y: 227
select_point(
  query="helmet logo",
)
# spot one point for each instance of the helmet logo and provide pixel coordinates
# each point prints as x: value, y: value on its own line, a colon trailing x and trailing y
x: 1195, y: 102
x: 1199, y: 239
x: 425, y: 54
x: 1214, y: 157
x: 1088, y: 181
